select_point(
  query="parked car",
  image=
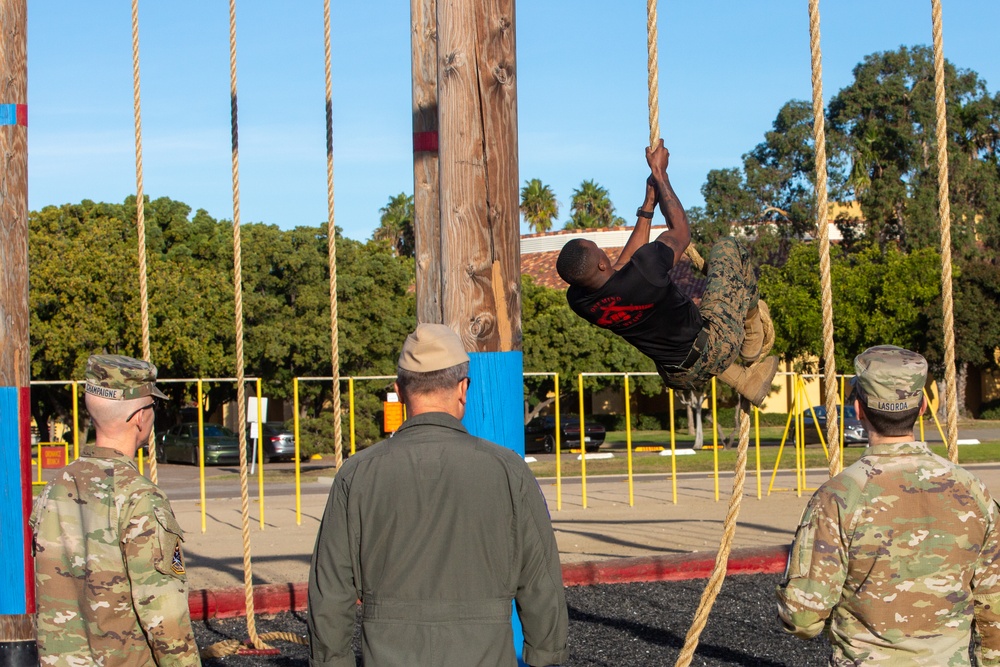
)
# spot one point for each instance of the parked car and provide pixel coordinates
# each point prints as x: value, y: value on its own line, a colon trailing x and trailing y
x: 854, y: 432
x: 279, y: 442
x: 180, y: 444
x: 540, y: 435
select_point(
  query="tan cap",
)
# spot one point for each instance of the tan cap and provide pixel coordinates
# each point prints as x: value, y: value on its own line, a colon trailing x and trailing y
x: 432, y: 347
x: 119, y: 378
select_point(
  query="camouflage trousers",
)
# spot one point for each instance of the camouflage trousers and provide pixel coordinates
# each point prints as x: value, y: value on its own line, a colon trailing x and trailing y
x: 731, y: 291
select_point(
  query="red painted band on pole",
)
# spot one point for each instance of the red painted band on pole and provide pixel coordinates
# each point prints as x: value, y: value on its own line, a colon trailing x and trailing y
x: 425, y: 142
x: 14, y: 114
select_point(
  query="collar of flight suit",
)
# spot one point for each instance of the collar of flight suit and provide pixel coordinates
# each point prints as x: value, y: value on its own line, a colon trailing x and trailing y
x: 442, y: 419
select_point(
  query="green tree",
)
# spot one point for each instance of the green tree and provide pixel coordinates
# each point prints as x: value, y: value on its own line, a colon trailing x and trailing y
x: 771, y: 198
x: 592, y: 208
x: 888, y: 115
x: 879, y: 298
x: 85, y: 299
x: 396, y: 225
x: 538, y: 205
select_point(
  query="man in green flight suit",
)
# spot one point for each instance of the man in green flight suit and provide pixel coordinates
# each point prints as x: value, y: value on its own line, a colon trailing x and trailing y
x: 436, y: 532
x: 109, y: 573
x: 898, y: 556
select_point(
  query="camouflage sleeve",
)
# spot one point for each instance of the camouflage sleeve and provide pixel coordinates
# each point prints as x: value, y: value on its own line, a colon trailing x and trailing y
x: 986, y: 594
x: 151, y: 545
x: 816, y: 570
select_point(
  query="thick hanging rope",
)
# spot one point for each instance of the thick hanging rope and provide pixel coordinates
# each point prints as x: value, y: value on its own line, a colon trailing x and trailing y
x: 823, y: 226
x: 711, y: 591
x: 240, y: 381
x: 653, y: 101
x: 944, y: 213
x: 234, y: 646
x: 140, y: 217
x: 718, y: 575
x: 331, y: 241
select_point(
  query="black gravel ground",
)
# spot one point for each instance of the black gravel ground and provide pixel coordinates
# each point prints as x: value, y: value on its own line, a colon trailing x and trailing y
x: 616, y: 625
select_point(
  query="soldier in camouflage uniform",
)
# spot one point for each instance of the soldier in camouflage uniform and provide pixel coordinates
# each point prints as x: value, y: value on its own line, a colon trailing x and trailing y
x: 109, y: 574
x: 636, y: 298
x: 898, y: 556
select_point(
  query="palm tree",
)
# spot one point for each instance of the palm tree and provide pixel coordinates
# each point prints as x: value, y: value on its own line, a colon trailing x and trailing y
x: 592, y: 208
x: 538, y: 205
x: 396, y: 225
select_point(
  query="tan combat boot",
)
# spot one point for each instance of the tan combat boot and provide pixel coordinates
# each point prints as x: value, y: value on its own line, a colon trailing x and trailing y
x: 753, y: 382
x: 753, y: 343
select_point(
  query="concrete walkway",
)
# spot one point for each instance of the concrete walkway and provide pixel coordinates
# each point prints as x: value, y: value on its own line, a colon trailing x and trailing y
x: 607, y: 528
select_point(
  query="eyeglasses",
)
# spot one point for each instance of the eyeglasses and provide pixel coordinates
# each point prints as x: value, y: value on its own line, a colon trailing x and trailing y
x: 151, y: 405
x: 470, y: 381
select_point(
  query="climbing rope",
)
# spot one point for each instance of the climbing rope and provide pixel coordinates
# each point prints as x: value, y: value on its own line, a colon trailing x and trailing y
x: 823, y: 226
x: 234, y: 646
x: 653, y: 101
x: 944, y: 213
x: 331, y: 244
x: 238, y: 289
x: 711, y: 591
x: 140, y: 217
x: 718, y: 575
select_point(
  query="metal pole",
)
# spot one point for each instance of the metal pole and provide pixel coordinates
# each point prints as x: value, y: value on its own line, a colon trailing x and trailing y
x: 201, y: 451
x: 628, y: 441
x: 583, y: 451
x: 558, y: 449
x: 298, y: 465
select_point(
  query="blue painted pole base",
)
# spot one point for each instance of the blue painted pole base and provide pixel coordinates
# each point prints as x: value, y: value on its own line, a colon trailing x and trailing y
x: 494, y: 411
x: 13, y: 577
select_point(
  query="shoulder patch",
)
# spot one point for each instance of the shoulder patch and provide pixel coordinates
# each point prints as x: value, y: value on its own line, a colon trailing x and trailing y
x: 177, y: 564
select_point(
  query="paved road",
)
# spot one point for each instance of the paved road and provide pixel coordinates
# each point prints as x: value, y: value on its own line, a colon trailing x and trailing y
x: 608, y: 527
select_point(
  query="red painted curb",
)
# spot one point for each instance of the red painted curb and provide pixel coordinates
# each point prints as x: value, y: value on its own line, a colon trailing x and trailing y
x: 274, y: 598
x: 230, y: 602
x: 675, y: 567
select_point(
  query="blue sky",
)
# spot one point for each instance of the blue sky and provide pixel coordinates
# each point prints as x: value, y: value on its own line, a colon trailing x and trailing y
x: 726, y: 67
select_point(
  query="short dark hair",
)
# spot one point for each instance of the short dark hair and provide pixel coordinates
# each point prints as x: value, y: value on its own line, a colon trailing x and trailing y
x: 892, y: 423
x: 412, y: 382
x: 574, y: 263
x: 888, y: 424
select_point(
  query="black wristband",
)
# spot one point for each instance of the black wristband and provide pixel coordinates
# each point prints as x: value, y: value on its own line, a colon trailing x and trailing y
x: 644, y: 214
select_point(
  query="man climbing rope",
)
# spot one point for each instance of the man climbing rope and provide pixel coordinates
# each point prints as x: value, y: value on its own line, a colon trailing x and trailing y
x: 635, y: 298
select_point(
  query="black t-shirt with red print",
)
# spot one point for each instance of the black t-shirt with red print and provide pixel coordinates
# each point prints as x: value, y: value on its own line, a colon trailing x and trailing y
x: 642, y: 304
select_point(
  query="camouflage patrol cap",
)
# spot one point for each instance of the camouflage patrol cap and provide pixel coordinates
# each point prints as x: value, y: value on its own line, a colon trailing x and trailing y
x: 119, y: 378
x: 890, y: 378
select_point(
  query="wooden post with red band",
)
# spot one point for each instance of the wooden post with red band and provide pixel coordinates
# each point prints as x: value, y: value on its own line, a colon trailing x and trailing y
x: 466, y: 201
x: 17, y: 578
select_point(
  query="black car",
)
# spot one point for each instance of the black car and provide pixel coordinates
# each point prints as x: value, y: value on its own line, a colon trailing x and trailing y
x: 854, y: 432
x: 540, y: 435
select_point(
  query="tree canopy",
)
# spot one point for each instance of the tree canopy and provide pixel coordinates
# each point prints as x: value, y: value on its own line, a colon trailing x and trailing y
x: 538, y: 205
x: 592, y: 208
x: 85, y: 299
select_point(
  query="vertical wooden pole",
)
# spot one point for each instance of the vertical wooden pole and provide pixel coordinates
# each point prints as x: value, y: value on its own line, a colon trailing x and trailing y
x: 477, y: 98
x: 426, y: 193
x: 479, y: 263
x: 17, y: 582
